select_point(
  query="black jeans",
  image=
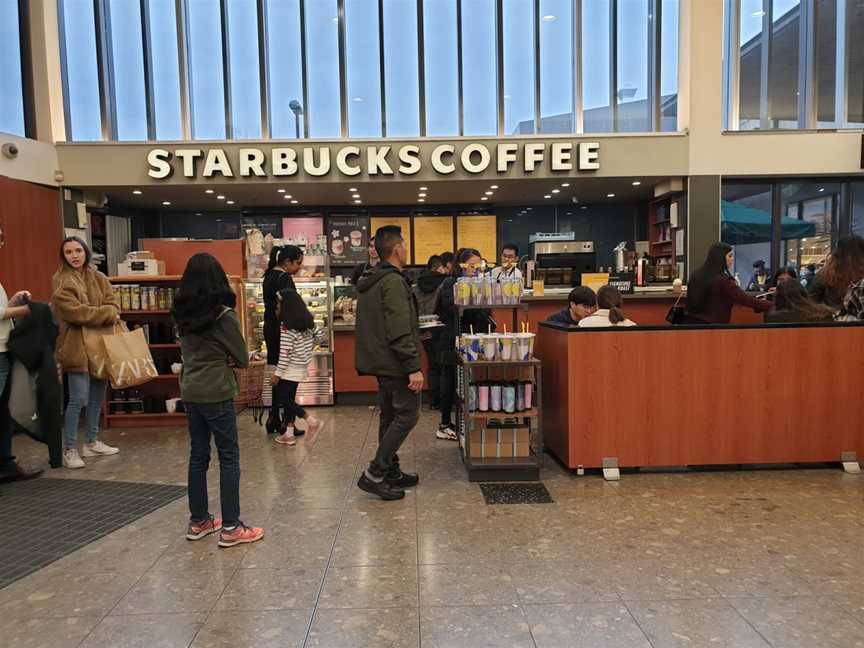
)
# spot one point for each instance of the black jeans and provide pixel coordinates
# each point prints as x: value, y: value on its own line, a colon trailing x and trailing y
x: 7, y: 461
x: 219, y: 421
x: 288, y: 401
x: 448, y: 393
x: 400, y: 411
x: 434, y: 373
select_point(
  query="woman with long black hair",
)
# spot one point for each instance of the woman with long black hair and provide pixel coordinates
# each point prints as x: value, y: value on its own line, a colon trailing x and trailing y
x: 843, y: 269
x: 712, y: 291
x: 210, y: 341
x: 285, y: 262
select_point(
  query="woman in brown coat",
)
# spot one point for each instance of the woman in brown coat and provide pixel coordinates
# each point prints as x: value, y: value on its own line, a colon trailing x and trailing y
x: 83, y: 298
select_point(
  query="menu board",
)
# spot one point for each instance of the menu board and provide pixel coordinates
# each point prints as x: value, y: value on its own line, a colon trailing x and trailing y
x: 401, y: 221
x: 479, y: 232
x: 432, y: 235
x: 306, y: 233
x: 259, y: 234
x: 347, y: 239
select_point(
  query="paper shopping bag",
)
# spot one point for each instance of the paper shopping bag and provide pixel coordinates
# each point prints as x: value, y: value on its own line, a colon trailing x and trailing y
x: 130, y: 362
x: 94, y: 346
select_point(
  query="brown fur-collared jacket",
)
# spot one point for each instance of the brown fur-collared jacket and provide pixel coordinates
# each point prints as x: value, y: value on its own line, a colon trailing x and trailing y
x: 82, y: 298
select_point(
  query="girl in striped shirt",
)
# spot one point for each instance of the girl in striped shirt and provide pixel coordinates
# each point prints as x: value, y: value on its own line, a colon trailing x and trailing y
x: 297, y: 340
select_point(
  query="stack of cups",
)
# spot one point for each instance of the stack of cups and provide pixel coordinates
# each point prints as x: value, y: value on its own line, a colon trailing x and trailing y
x: 524, y: 346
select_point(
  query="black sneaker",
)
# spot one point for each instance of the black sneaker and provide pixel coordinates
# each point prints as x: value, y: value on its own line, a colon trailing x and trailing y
x: 400, y: 479
x: 382, y: 489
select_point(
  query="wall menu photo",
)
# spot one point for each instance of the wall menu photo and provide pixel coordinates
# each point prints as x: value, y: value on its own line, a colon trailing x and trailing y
x: 347, y: 239
x: 432, y: 235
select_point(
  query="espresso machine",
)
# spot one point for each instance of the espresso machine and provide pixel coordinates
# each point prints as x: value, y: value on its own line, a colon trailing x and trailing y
x: 560, y: 260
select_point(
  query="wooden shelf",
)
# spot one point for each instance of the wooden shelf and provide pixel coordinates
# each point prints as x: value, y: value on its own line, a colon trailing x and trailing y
x: 156, y: 279
x: 532, y: 413
x: 162, y: 419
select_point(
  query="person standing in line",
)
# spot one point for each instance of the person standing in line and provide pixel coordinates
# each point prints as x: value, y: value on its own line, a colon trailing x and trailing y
x: 15, y: 308
x: 509, y: 268
x: 388, y: 347
x: 426, y: 292
x: 210, y: 341
x: 285, y: 262
x: 298, y: 338
x: 83, y: 298
x: 366, y: 266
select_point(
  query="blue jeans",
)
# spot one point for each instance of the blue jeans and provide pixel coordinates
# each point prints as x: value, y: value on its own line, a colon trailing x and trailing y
x: 6, y: 458
x: 218, y: 420
x: 84, y: 391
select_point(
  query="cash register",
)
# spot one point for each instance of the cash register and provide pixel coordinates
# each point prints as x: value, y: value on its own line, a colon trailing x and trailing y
x: 560, y: 260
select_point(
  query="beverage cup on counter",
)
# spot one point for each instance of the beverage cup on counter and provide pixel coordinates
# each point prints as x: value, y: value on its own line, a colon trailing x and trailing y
x: 476, y: 291
x: 462, y: 292
x: 524, y: 346
x: 472, y: 347
x: 489, y: 346
x: 176, y: 368
x: 506, y: 344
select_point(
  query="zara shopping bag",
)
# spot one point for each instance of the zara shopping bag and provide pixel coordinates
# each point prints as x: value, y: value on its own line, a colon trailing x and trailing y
x: 94, y: 345
x: 130, y: 362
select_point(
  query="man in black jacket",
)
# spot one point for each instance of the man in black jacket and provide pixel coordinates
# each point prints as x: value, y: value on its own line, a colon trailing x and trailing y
x: 581, y: 302
x: 388, y: 347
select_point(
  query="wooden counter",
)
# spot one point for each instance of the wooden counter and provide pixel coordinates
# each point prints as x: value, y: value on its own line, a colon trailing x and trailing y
x: 703, y: 395
x: 345, y: 376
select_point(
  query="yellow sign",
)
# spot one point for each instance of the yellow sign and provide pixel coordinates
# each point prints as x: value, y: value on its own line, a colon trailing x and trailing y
x: 595, y: 280
x: 400, y: 221
x: 479, y: 232
x: 432, y: 235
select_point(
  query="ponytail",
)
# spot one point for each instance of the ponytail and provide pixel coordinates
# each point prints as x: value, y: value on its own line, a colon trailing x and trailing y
x: 282, y: 253
x: 274, y: 256
x: 609, y: 298
x: 616, y: 315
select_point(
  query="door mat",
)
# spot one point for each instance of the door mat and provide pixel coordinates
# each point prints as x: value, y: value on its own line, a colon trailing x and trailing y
x: 520, y: 493
x: 45, y: 519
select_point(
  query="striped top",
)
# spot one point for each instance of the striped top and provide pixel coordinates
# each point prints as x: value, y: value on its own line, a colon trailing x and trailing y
x: 295, y: 352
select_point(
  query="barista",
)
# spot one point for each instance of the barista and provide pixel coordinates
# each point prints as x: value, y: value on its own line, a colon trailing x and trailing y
x: 360, y: 268
x: 509, y: 263
x: 581, y: 302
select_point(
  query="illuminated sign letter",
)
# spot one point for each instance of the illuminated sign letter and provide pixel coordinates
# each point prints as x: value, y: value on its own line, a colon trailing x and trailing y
x: 188, y: 156
x: 409, y: 156
x: 468, y: 163
x: 589, y: 156
x: 376, y: 160
x: 533, y: 155
x: 342, y: 160
x: 506, y: 156
x: 562, y: 152
x: 252, y: 161
x: 217, y: 161
x: 437, y: 158
x: 323, y: 166
x: 159, y: 165
x: 284, y: 161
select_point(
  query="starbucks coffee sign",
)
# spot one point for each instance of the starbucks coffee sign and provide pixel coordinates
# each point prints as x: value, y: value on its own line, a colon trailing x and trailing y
x: 382, y: 160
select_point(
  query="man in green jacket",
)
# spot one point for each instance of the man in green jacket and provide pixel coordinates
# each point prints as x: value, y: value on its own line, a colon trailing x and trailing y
x: 387, y: 346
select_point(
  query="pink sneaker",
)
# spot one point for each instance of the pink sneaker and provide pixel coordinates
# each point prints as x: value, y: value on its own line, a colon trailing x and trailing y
x: 287, y: 438
x: 198, y: 530
x: 241, y: 534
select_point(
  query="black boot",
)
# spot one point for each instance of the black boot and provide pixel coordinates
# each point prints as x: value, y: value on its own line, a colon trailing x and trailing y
x: 382, y: 489
x: 273, y: 425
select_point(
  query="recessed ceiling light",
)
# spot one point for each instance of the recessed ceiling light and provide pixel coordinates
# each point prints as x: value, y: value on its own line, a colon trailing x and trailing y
x: 198, y: 214
x: 137, y: 192
x: 489, y: 193
x: 547, y: 196
x: 583, y: 207
x: 293, y: 202
x: 821, y: 188
x: 529, y: 208
x: 353, y: 189
x: 166, y: 203
x: 636, y: 183
x: 484, y: 198
x: 494, y: 187
x: 357, y: 202
x: 355, y: 195
x: 208, y: 191
x: 421, y: 200
x: 220, y: 197
x: 610, y: 195
x: 549, y: 18
x: 421, y: 195
x: 280, y: 190
x: 229, y: 202
x: 556, y: 191
x: 423, y: 188
x: 287, y: 196
x: 565, y: 184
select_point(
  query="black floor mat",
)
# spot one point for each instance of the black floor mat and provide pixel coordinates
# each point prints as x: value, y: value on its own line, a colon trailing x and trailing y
x: 520, y: 493
x: 46, y: 519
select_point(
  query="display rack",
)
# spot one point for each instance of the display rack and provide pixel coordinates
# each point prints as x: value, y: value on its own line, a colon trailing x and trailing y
x: 126, y: 407
x: 485, y: 469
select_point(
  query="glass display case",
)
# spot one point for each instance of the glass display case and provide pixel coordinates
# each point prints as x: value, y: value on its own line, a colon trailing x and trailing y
x: 344, y: 304
x: 317, y: 389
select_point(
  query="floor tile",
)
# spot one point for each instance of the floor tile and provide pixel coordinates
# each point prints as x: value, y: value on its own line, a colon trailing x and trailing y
x: 167, y: 592
x: 272, y: 589
x: 75, y: 594
x: 368, y: 587
x: 500, y: 626
x: 46, y: 633
x: 483, y: 584
x: 145, y: 631
x: 708, y: 622
x: 381, y: 628
x: 273, y: 629
x: 374, y: 548
x: 586, y: 625
x: 559, y: 582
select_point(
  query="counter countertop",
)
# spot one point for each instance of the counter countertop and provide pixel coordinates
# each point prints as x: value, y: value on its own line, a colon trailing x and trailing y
x: 562, y: 296
x: 566, y: 328
x: 337, y: 327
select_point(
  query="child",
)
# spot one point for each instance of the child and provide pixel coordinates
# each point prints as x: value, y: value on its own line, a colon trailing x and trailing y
x: 297, y: 340
x: 210, y: 337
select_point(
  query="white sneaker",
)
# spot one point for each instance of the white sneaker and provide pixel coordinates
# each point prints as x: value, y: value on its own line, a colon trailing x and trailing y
x: 71, y: 458
x: 446, y: 433
x: 98, y: 448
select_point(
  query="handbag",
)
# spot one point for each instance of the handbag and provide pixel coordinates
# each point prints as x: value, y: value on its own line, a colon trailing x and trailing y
x: 130, y: 362
x: 676, y: 314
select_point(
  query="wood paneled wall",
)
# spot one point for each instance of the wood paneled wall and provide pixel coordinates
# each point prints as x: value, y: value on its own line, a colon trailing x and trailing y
x: 32, y: 230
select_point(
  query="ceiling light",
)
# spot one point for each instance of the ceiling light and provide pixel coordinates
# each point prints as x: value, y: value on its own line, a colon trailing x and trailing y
x: 820, y: 189
x: 293, y: 202
x: 230, y: 202
x: 583, y: 207
x: 421, y: 200
x: 489, y: 193
x: 166, y: 203
x: 137, y: 192
x: 353, y: 189
x: 220, y: 197
x: 198, y: 214
x: 547, y: 196
x: 636, y: 183
x: 494, y: 187
x: 610, y: 195
x: 484, y: 198
x: 355, y: 195
x: 423, y: 188
x: 280, y: 191
x: 556, y: 191
x: 208, y: 191
x: 421, y: 195
x: 549, y: 18
x: 357, y: 202
x: 565, y: 184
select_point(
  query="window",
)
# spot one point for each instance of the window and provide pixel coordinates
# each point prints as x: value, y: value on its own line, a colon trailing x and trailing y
x: 401, y: 74
x: 244, y: 69
x: 826, y: 61
x: 284, y: 69
x: 634, y: 111
x: 750, y: 71
x: 783, y: 64
x: 596, y: 67
x: 206, y: 85
x: 855, y: 62
x: 322, y: 73
x: 127, y: 67
x: 80, y: 71
x: 746, y: 225
x: 479, y: 68
x: 165, y: 70
x: 11, y: 83
x: 810, y: 225
x: 362, y: 65
x: 441, y: 69
x: 518, y: 67
x: 669, y: 66
x: 857, y: 228
x: 556, y: 66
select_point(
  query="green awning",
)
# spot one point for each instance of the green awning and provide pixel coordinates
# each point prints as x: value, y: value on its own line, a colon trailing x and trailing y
x: 741, y: 225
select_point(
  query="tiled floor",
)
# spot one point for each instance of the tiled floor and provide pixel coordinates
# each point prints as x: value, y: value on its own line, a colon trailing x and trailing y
x: 736, y: 559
